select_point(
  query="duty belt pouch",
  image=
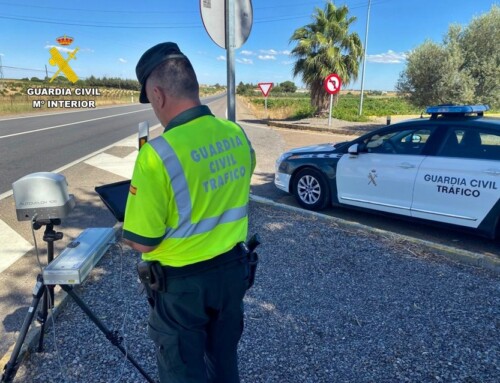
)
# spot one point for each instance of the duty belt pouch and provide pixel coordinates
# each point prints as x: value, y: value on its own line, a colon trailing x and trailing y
x: 252, y: 257
x: 253, y: 260
x: 151, y: 275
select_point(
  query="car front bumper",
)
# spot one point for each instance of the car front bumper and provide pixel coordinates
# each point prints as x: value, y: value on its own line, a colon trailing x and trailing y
x: 282, y: 181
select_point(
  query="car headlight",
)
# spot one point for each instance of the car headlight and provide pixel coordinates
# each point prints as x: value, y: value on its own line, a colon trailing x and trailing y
x: 281, y: 158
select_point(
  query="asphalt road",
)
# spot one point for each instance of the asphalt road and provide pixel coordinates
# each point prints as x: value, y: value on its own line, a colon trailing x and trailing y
x: 50, y: 141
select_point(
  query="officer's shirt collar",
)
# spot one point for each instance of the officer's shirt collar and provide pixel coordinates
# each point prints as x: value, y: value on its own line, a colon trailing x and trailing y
x: 188, y: 115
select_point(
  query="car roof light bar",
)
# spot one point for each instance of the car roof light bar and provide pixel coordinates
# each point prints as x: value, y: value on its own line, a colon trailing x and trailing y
x: 456, y: 109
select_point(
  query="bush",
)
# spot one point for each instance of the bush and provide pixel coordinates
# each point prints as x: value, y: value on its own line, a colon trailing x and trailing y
x: 306, y: 111
x: 347, y: 107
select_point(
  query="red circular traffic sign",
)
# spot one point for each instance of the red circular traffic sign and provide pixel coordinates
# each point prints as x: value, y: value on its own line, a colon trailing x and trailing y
x: 332, y: 83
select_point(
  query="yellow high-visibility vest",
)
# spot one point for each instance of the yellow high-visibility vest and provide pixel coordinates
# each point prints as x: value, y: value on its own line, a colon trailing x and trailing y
x: 190, y: 188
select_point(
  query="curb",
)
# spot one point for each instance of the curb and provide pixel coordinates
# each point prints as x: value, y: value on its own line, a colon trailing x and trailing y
x: 465, y: 257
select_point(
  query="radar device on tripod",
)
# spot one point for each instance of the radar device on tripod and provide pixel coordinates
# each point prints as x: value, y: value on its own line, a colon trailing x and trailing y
x: 43, y: 199
x: 42, y: 196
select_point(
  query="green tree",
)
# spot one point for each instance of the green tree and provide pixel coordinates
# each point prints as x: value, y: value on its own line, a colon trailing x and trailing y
x: 245, y: 89
x: 457, y: 85
x: 288, y: 87
x: 240, y: 89
x: 464, y: 68
x: 480, y: 43
x: 433, y: 76
x: 326, y: 46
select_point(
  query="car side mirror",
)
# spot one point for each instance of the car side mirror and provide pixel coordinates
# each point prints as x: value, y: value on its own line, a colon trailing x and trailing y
x: 416, y: 139
x: 353, y: 149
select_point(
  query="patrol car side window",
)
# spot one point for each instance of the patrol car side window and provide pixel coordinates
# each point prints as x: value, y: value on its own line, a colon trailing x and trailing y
x: 409, y: 142
x: 471, y: 143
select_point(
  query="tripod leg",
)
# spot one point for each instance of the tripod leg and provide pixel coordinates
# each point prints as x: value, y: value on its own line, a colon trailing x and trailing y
x: 10, y: 368
x: 49, y: 236
x: 43, y: 314
x: 109, y: 334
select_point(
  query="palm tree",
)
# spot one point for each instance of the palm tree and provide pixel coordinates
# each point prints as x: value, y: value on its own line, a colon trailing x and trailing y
x: 325, y: 46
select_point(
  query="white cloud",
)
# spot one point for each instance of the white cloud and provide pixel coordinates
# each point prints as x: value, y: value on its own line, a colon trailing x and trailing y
x: 221, y: 58
x: 266, y: 57
x: 274, y: 52
x: 389, y: 57
x: 247, y: 53
x: 244, y: 61
x: 60, y: 49
x: 268, y: 51
x: 123, y: 61
x: 288, y: 62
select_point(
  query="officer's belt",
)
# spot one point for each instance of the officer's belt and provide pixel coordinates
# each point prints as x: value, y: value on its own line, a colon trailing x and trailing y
x: 235, y: 254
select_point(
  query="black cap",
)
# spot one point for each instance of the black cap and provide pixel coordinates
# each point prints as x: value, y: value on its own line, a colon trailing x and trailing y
x: 150, y: 60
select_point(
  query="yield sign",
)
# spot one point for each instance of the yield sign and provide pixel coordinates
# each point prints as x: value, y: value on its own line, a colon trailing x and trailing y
x: 265, y: 87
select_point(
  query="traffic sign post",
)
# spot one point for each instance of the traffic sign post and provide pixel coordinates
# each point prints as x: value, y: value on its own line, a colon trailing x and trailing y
x: 332, y: 86
x: 265, y: 88
x: 228, y: 23
x: 230, y: 46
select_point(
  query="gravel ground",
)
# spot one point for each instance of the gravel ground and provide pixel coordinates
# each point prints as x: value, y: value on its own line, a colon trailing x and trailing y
x: 329, y: 305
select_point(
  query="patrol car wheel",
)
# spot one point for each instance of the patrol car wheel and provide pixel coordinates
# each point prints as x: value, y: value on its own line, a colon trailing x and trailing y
x: 310, y: 189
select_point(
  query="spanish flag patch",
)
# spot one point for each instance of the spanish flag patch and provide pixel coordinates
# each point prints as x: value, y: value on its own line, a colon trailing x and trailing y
x: 133, y: 190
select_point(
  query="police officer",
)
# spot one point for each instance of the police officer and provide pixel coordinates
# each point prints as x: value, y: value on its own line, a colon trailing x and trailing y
x: 187, y: 212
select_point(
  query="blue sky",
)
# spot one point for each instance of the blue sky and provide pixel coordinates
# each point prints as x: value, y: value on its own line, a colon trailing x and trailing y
x: 112, y: 35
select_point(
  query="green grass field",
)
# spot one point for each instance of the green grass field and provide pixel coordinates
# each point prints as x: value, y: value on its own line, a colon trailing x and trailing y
x: 347, y: 108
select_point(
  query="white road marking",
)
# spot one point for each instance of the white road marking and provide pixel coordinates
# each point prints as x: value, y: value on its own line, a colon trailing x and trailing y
x: 66, y: 112
x: 71, y: 123
x: 122, y: 167
x: 13, y: 246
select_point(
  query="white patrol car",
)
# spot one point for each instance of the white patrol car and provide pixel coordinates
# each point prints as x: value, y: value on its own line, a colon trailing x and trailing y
x: 445, y: 168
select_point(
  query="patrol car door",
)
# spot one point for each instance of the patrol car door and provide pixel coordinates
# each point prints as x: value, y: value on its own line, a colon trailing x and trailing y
x: 382, y: 175
x: 462, y: 183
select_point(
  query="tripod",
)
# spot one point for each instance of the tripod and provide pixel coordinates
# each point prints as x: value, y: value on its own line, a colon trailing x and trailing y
x: 47, y: 291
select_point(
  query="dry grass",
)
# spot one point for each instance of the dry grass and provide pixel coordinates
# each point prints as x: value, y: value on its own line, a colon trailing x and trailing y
x: 14, y: 100
x: 269, y: 114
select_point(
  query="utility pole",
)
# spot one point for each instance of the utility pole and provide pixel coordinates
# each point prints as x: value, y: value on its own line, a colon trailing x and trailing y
x: 1, y: 68
x: 364, y: 61
x: 1, y: 73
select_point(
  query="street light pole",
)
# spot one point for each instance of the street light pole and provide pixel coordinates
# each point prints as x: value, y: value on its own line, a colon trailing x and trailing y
x: 364, y: 61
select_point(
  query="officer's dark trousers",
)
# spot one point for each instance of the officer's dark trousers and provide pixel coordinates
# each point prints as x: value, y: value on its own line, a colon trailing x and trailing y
x: 197, y: 323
